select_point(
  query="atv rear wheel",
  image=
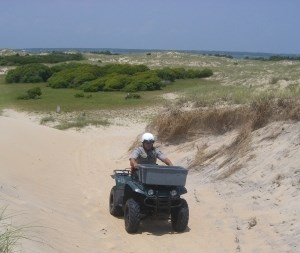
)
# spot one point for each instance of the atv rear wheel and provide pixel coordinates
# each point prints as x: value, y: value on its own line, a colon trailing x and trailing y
x: 113, y: 208
x: 132, y: 216
x: 180, y: 217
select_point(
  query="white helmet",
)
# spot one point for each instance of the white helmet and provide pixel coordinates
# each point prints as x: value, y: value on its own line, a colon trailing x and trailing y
x: 147, y: 137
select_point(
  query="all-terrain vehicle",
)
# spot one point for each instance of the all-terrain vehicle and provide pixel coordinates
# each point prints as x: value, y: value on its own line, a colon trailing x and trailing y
x: 152, y: 190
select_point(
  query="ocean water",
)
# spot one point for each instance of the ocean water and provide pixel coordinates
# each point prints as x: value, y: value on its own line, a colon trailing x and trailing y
x: 233, y: 54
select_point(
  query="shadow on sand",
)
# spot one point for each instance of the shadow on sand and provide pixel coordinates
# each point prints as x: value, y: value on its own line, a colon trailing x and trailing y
x: 157, y: 227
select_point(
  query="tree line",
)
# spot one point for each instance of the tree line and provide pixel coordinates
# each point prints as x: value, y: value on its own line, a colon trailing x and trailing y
x: 53, y: 57
x: 275, y: 58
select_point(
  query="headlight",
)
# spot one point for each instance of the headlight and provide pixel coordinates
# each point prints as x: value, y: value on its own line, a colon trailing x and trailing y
x: 150, y: 192
x: 173, y: 193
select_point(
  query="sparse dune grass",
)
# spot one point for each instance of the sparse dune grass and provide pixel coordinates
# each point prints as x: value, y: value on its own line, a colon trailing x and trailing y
x: 178, y: 124
x: 50, y: 98
x: 81, y: 122
x: 47, y: 119
x: 210, y: 92
x: 10, y: 235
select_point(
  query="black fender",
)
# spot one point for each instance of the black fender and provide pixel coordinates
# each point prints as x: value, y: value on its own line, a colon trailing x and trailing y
x: 181, y: 190
x: 132, y: 190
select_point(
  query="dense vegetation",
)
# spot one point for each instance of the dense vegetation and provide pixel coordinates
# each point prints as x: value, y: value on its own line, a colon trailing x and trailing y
x: 119, y: 77
x: 73, y: 76
x: 110, y: 77
x: 30, y: 73
x: 54, y: 57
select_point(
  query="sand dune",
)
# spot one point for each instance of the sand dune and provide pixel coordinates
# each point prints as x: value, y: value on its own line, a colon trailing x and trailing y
x: 59, y: 183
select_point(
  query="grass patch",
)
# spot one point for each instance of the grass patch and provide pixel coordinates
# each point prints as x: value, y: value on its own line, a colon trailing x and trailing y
x: 68, y: 100
x: 210, y: 92
x: 10, y: 235
x: 71, y: 100
x: 47, y: 119
x: 81, y: 122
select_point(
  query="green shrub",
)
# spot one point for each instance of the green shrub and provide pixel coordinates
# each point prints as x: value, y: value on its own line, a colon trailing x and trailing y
x: 179, y: 73
x: 166, y: 74
x: 71, y: 77
x: 117, y: 77
x: 170, y: 74
x: 79, y: 95
x: 32, y: 93
x: 127, y: 69
x: 116, y: 82
x: 63, y: 66
x: 94, y: 85
x: 31, y: 73
x: 143, y: 81
x: 205, y: 73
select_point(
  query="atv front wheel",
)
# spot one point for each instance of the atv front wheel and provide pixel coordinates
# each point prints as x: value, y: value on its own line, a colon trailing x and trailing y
x: 180, y: 217
x: 132, y: 216
x: 113, y: 208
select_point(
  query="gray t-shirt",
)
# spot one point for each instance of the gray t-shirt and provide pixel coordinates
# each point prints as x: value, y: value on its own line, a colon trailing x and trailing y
x: 143, y: 156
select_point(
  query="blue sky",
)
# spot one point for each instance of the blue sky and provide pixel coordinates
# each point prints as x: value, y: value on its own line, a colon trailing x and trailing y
x: 270, y: 26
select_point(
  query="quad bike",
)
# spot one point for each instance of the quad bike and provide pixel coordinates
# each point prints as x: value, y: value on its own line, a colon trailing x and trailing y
x: 151, y: 190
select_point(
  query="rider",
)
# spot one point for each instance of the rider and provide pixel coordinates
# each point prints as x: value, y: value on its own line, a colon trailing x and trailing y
x: 146, y: 153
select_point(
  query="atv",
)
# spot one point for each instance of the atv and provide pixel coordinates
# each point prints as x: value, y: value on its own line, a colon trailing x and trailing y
x: 151, y: 190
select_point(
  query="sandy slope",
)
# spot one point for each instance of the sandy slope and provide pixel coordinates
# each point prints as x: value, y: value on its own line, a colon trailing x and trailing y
x: 60, y: 182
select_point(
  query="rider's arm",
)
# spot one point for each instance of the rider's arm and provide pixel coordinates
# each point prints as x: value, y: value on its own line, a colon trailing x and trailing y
x: 161, y: 156
x: 133, y: 163
x: 133, y: 158
x: 167, y: 161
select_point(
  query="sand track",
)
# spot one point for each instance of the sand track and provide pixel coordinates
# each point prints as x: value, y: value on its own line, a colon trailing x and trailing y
x: 60, y: 181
